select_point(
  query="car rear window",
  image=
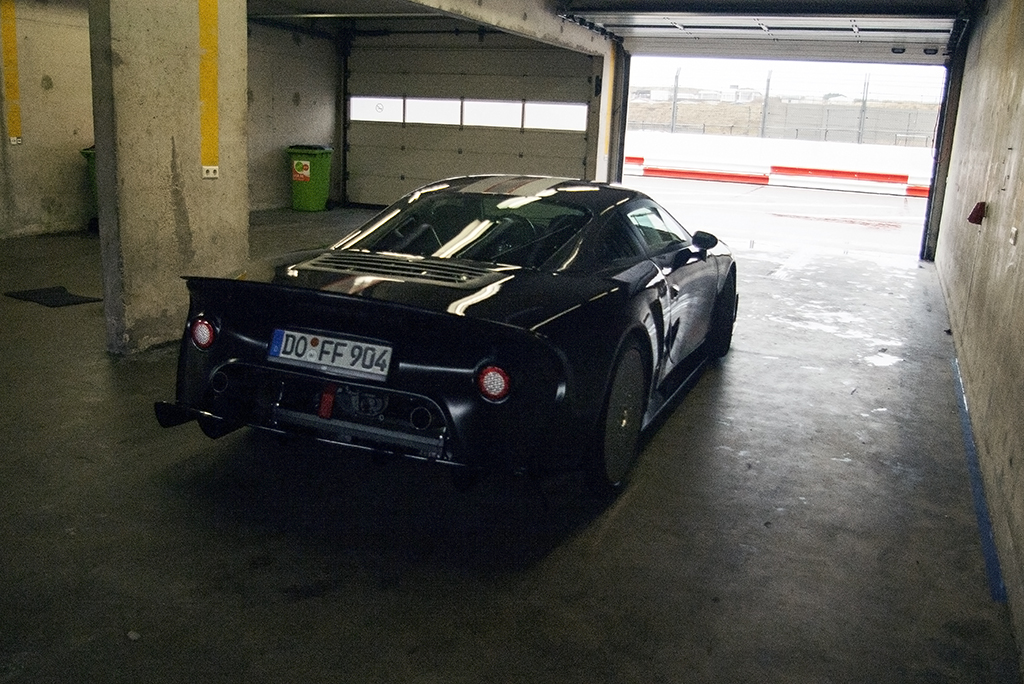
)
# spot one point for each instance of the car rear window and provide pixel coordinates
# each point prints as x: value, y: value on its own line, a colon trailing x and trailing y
x: 513, y: 230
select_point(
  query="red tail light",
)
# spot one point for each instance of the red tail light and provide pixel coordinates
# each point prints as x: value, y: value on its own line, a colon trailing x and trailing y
x: 203, y: 333
x: 493, y: 383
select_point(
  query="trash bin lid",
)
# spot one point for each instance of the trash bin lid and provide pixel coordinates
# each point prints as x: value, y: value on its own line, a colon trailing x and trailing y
x: 310, y: 148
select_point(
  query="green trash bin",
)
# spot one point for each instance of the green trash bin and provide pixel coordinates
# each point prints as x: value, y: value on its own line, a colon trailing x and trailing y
x: 311, y: 176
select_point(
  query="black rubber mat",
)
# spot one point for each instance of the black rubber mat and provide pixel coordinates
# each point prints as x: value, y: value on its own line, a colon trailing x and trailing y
x: 51, y: 296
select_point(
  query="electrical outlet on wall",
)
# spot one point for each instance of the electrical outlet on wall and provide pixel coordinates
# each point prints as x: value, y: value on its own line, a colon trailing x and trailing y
x: 211, y: 172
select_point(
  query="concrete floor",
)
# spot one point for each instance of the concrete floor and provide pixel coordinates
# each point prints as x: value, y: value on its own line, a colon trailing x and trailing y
x: 804, y: 515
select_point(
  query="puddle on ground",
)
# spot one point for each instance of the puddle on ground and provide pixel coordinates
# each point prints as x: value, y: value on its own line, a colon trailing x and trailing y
x: 882, y: 359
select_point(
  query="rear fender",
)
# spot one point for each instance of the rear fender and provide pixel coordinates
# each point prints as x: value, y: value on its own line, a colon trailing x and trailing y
x: 595, y: 354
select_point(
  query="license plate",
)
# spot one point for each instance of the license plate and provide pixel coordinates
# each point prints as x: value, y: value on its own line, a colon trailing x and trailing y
x: 331, y: 354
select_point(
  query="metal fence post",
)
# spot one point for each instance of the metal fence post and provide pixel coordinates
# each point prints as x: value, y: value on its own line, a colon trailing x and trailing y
x: 764, y: 107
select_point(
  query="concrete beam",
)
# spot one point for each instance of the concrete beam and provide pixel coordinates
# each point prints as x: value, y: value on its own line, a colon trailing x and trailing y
x: 534, y: 19
x: 161, y: 126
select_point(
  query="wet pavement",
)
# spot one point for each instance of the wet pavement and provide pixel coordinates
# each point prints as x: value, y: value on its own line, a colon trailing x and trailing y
x: 804, y: 514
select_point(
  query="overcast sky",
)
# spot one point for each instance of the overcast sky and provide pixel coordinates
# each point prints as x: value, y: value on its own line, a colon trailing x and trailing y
x: 810, y: 79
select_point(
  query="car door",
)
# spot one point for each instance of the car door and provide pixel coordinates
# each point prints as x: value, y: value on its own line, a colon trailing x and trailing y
x: 691, y: 278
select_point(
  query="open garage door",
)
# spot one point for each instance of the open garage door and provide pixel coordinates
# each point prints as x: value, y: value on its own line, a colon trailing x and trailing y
x: 897, y: 32
x: 464, y: 103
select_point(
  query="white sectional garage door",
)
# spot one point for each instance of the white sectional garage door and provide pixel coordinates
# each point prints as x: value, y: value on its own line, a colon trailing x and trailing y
x: 417, y: 114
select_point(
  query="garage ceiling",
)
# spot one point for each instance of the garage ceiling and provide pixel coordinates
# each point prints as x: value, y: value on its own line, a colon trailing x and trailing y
x: 890, y: 31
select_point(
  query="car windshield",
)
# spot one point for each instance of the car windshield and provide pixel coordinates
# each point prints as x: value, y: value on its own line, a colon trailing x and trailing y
x: 516, y: 230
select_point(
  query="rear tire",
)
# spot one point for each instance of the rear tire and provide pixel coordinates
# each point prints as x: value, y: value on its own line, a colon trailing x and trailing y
x: 621, y: 421
x: 723, y: 319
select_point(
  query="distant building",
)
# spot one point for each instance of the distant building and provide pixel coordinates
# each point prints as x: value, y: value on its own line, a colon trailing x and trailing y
x: 746, y: 95
x: 664, y: 94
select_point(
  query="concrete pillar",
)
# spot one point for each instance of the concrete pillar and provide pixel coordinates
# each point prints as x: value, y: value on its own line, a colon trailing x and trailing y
x: 617, y: 103
x: 611, y: 132
x: 169, y: 106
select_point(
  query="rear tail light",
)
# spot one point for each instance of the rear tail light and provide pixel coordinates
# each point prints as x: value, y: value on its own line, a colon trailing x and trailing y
x: 203, y: 333
x: 493, y: 383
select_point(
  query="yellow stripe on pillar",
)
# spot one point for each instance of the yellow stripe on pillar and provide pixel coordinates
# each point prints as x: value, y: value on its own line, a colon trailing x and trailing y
x: 209, y: 124
x: 12, y: 94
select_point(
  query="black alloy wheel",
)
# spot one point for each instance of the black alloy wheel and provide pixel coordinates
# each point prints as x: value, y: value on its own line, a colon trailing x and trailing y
x: 622, y: 420
x: 723, y: 319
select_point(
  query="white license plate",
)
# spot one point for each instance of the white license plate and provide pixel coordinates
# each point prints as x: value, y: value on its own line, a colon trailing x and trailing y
x: 349, y: 357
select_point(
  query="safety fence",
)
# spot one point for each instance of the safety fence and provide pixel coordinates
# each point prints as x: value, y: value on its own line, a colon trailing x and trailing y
x: 900, y: 124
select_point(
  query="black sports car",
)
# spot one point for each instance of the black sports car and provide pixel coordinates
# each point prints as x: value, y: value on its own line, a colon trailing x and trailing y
x: 489, y: 321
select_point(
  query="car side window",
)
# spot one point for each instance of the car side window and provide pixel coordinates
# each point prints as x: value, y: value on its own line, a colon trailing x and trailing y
x: 658, y: 230
x: 617, y: 242
x: 610, y: 243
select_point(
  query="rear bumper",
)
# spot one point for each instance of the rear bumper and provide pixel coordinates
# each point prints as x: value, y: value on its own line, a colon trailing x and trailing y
x: 333, y: 431
x: 347, y: 413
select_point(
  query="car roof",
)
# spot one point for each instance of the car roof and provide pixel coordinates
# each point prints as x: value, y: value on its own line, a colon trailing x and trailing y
x: 594, y: 195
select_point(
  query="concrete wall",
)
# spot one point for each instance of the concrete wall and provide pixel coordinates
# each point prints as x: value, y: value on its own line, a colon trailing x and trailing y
x: 43, y: 181
x: 292, y: 83
x: 293, y: 79
x: 982, y: 274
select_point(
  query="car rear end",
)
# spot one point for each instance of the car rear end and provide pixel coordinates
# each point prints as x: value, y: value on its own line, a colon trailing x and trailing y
x: 368, y: 374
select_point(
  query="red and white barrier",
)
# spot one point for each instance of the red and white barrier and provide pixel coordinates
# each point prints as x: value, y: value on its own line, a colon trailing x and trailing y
x: 788, y: 176
x: 799, y: 164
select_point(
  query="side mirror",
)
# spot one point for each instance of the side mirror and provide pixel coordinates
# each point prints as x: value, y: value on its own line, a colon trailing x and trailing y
x: 704, y: 241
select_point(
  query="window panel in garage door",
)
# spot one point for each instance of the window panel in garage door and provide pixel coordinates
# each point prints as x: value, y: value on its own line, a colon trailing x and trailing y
x: 387, y: 159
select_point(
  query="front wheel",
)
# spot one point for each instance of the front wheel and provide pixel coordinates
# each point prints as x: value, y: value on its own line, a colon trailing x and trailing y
x: 622, y: 420
x: 723, y: 319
